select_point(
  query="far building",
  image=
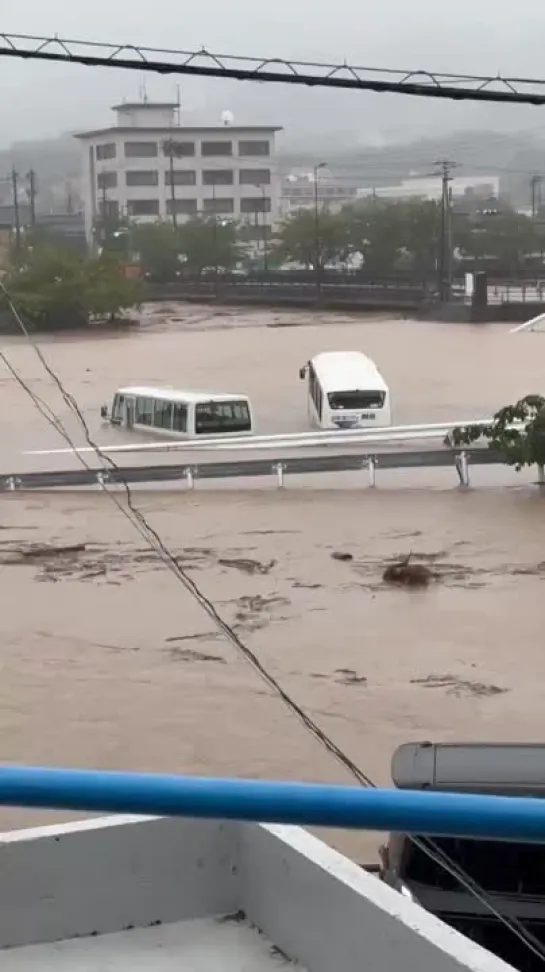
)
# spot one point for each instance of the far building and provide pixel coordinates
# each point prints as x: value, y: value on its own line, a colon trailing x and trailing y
x: 150, y: 166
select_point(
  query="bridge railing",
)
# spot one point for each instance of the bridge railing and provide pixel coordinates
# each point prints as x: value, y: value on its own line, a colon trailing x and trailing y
x: 307, y: 804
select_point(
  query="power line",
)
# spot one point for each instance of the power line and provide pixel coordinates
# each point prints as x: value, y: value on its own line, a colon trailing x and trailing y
x: 151, y: 536
x: 204, y: 63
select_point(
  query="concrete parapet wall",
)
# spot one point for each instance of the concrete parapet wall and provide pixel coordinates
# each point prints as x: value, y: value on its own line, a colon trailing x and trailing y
x: 107, y: 875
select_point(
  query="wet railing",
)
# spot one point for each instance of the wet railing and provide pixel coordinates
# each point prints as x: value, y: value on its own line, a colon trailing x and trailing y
x: 402, y: 811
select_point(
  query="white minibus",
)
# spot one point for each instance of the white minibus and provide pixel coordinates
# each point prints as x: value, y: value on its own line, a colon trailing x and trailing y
x: 346, y: 391
x: 179, y: 414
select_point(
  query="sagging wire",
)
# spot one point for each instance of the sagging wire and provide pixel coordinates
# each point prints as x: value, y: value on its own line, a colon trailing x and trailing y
x: 150, y: 535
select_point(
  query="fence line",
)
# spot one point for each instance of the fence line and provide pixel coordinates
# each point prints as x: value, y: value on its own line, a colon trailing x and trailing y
x: 292, y: 440
x: 189, y: 473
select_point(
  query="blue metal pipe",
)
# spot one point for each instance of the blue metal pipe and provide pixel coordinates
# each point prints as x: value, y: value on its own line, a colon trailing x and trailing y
x: 405, y: 811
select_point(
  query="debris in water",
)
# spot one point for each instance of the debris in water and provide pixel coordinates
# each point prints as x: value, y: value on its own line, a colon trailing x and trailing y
x: 406, y: 574
x: 340, y: 555
x: 247, y: 565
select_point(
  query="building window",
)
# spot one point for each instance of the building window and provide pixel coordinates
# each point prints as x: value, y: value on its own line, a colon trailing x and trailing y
x: 257, y: 204
x: 178, y: 150
x: 107, y: 180
x: 218, y: 205
x: 141, y: 150
x: 254, y: 177
x: 106, y: 151
x: 181, y: 177
x: 142, y: 177
x: 142, y: 207
x: 217, y: 177
x: 262, y: 147
x: 216, y: 148
x: 108, y: 208
x: 182, y: 207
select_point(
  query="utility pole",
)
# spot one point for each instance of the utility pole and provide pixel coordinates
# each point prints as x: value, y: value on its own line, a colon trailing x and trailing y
x: 445, y: 247
x: 264, y: 228
x: 535, y: 189
x: 168, y: 149
x: 15, y: 188
x: 317, y: 242
x: 32, y: 193
x: 215, y: 237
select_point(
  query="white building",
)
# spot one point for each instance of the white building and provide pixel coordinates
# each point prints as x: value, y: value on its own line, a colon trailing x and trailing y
x: 299, y: 191
x: 430, y: 187
x: 148, y: 166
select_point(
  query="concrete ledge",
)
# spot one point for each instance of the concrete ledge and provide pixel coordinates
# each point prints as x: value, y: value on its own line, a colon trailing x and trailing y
x: 317, y: 907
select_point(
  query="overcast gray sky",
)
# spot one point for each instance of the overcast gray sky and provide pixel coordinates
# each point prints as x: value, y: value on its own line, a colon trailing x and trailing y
x: 471, y: 35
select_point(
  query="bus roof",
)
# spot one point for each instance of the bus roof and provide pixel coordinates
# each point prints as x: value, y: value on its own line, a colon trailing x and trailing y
x: 497, y: 768
x: 175, y: 395
x: 340, y: 371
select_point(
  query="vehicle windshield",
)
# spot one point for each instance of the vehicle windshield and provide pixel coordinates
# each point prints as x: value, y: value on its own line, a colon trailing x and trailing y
x: 356, y: 399
x: 508, y: 868
x: 221, y: 417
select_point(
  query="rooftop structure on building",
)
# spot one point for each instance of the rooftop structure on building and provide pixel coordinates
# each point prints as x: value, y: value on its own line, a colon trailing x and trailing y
x: 149, y: 165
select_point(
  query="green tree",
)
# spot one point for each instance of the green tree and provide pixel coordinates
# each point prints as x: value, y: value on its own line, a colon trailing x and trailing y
x: 497, y: 232
x: 303, y: 239
x: 157, y: 247
x: 517, y: 434
x: 53, y: 288
x: 206, y: 244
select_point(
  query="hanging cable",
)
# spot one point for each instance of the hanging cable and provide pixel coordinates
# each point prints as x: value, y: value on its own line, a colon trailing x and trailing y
x: 152, y: 537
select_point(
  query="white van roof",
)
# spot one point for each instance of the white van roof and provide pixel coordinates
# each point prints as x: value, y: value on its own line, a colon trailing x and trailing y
x: 495, y: 768
x: 175, y: 395
x: 347, y: 371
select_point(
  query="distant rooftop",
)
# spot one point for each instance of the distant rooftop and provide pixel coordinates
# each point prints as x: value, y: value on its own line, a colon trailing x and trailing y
x: 153, y: 105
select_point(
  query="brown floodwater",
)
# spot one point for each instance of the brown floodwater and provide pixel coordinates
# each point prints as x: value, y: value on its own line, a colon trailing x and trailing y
x: 106, y: 660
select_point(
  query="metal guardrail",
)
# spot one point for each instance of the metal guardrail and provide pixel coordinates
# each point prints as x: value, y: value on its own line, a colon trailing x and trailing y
x: 253, y: 468
x: 306, y: 804
x: 367, y: 437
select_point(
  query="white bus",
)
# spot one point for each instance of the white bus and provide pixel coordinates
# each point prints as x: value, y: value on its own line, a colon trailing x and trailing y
x: 346, y: 391
x: 179, y: 414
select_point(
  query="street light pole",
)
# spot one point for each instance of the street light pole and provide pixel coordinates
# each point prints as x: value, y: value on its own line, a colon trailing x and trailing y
x: 317, y: 246
x: 262, y: 187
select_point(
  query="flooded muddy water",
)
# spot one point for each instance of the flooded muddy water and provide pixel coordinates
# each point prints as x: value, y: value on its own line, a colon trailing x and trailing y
x: 107, y: 661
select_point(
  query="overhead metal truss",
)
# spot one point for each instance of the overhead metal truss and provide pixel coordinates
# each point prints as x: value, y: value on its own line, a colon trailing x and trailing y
x: 204, y: 63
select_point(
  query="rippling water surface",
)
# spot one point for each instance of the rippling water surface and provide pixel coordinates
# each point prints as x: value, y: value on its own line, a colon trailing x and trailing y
x: 107, y: 662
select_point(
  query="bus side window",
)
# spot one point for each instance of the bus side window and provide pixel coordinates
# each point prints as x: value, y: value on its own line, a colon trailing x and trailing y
x: 144, y: 411
x: 179, y: 421
x: 319, y: 399
x: 117, y: 409
x: 162, y: 416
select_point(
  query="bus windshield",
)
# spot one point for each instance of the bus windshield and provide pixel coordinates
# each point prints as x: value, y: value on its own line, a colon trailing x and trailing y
x: 356, y: 399
x: 219, y: 417
x: 516, y: 869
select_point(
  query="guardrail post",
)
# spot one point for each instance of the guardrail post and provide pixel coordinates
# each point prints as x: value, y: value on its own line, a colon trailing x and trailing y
x: 278, y: 468
x: 462, y: 468
x: 189, y: 477
x: 372, y: 469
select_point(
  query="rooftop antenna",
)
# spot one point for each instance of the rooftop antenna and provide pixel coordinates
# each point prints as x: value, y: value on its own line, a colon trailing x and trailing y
x: 143, y: 91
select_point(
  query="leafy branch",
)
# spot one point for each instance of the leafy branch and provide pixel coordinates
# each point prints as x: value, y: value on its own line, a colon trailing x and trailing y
x: 516, y: 433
